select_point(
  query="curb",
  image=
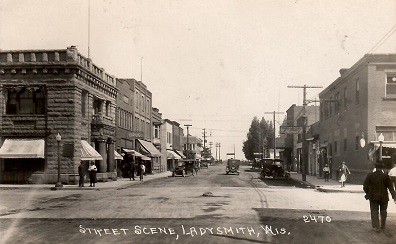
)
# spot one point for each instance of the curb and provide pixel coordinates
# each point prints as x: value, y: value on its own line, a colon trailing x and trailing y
x: 321, y: 189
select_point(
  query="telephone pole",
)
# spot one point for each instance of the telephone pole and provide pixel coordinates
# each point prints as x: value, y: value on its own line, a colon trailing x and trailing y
x: 188, y: 150
x: 303, y: 136
x: 274, y: 129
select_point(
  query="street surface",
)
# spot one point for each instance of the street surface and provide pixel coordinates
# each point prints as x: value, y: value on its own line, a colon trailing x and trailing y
x: 210, y: 207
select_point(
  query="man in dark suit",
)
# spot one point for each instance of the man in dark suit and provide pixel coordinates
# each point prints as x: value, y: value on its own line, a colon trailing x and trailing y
x: 376, y: 186
x: 131, y: 170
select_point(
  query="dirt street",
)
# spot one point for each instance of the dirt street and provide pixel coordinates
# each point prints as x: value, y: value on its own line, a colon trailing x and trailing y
x: 239, y: 209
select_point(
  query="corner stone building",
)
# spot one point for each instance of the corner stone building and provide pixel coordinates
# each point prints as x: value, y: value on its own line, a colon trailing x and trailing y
x: 46, y: 92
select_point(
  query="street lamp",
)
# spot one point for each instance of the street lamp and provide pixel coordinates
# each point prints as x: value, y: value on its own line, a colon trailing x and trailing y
x: 58, y: 140
x: 381, y: 140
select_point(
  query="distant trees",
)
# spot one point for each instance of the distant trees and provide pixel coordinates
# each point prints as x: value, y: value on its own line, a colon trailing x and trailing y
x: 259, y: 138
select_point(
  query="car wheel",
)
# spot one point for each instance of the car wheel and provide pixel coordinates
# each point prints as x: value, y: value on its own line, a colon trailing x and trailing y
x: 275, y: 176
x: 287, y: 176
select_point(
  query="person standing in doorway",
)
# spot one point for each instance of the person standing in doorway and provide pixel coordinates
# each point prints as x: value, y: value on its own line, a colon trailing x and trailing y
x: 344, y: 171
x: 326, y: 172
x: 142, y: 170
x: 92, y: 174
x: 376, y: 186
x: 81, y: 173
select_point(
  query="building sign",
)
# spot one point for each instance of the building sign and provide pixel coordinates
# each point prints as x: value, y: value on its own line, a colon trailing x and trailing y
x: 136, y: 134
x: 290, y: 130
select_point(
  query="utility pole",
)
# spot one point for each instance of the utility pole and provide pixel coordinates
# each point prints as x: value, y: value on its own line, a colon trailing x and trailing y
x: 274, y: 129
x: 206, y: 152
x: 219, y: 151
x: 304, y: 127
x: 210, y: 147
x: 217, y: 145
x: 188, y: 150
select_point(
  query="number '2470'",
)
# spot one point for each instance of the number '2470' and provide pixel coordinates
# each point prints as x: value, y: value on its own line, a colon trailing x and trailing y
x: 316, y: 219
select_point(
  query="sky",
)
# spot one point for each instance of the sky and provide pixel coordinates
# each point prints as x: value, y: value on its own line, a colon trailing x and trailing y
x: 213, y: 64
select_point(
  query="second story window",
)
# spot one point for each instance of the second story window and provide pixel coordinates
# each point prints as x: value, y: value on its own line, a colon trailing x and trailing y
x: 345, y: 98
x: 337, y: 103
x: 25, y: 101
x: 390, y: 89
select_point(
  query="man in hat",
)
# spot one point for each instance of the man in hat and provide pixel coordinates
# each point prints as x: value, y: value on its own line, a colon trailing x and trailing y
x: 376, y: 186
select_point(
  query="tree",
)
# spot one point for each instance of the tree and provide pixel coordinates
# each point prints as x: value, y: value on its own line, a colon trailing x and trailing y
x: 260, y: 136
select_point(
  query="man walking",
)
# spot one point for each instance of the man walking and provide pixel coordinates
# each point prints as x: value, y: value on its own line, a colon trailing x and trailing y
x: 376, y: 186
x: 81, y: 173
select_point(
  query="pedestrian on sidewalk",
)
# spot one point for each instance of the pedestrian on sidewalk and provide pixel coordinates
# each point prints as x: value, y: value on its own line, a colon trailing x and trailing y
x: 92, y: 174
x: 376, y: 186
x: 392, y: 175
x: 131, y: 170
x: 344, y: 174
x: 326, y: 172
x: 81, y: 173
x: 142, y: 170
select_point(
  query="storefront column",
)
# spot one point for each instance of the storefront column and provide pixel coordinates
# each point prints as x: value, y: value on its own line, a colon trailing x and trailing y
x: 110, y: 155
x: 102, y: 152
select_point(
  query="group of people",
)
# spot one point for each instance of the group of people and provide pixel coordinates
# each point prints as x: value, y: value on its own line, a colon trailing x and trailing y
x: 344, y: 172
x: 92, y: 169
x: 132, y: 168
x: 376, y: 186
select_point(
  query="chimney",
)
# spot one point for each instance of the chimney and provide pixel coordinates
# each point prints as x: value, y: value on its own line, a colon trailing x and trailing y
x: 343, y: 71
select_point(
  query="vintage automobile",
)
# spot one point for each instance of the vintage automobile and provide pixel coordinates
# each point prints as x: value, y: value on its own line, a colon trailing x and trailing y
x: 232, y: 166
x: 185, y: 167
x: 273, y: 168
x: 205, y: 163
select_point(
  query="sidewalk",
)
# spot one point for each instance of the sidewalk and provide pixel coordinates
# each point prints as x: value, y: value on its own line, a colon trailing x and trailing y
x: 119, y: 183
x: 331, y: 186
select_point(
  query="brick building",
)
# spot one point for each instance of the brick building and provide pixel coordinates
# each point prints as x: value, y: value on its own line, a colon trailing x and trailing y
x: 361, y: 105
x: 46, y: 92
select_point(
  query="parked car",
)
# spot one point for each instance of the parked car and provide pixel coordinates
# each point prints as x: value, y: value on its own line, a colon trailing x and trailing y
x: 205, y: 163
x: 185, y: 167
x: 273, y: 168
x: 232, y: 166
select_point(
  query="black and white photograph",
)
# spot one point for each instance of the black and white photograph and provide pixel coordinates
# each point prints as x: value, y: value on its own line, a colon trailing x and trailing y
x: 197, y: 121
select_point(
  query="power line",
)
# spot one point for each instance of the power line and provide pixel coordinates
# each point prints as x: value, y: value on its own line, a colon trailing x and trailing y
x: 383, y: 39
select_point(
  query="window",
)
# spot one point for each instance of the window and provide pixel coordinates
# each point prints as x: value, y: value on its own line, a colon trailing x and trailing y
x: 108, y: 103
x: 391, y: 85
x: 25, y: 101
x: 137, y: 99
x: 345, y: 98
x: 337, y: 103
x: 357, y: 91
x: 97, y: 106
x: 331, y: 107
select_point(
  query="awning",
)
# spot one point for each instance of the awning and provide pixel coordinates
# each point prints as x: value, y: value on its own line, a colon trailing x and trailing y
x: 150, y: 148
x: 22, y: 148
x: 384, y: 144
x: 117, y: 156
x: 137, y: 154
x: 88, y: 152
x: 180, y: 153
x: 172, y: 155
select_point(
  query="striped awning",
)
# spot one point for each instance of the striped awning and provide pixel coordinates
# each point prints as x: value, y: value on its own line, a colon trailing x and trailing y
x: 88, y: 152
x: 22, y: 148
